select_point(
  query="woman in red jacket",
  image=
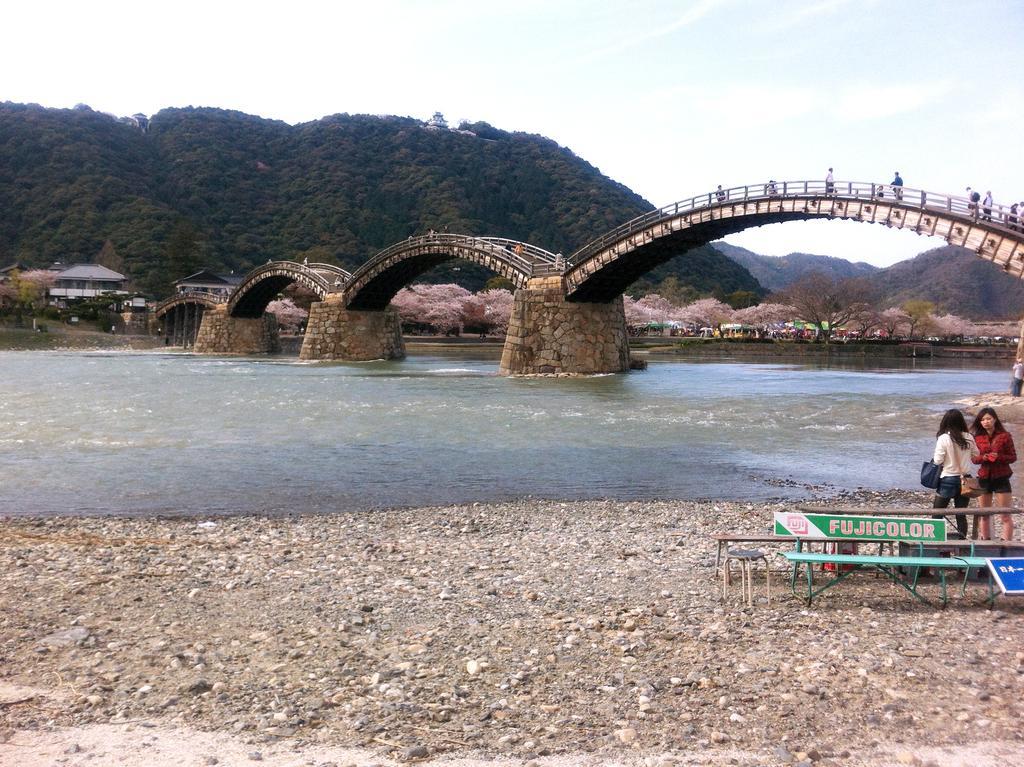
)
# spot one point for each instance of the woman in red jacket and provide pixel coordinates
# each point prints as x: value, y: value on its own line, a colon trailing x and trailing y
x: 995, y: 446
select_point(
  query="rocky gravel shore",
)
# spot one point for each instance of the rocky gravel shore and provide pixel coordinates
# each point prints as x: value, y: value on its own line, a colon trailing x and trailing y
x: 585, y: 632
x: 1009, y: 408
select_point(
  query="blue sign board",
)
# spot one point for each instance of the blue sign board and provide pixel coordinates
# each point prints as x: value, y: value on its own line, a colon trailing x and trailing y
x: 1008, y: 573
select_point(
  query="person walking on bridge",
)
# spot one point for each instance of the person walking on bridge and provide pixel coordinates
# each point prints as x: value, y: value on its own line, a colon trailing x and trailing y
x: 986, y: 206
x: 720, y: 193
x: 830, y: 183
x: 973, y: 198
x: 897, y: 187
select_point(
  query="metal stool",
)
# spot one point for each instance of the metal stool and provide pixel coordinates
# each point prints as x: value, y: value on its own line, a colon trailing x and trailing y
x: 745, y: 558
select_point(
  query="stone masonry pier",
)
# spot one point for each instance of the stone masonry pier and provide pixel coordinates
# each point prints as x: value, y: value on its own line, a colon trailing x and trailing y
x: 221, y: 333
x: 336, y: 333
x: 549, y: 335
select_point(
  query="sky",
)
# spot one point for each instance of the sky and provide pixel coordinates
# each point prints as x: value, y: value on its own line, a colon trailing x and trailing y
x: 668, y: 98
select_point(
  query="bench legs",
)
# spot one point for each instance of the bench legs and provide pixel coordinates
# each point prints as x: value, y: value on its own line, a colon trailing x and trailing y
x: 888, y: 571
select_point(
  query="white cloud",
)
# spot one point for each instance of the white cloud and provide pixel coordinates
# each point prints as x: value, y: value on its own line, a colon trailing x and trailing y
x: 692, y: 15
x: 805, y: 12
x: 869, y: 101
x: 801, y: 12
x: 738, y: 107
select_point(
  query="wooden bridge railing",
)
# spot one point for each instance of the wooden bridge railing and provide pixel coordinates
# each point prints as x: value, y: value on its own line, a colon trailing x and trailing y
x: 524, y: 260
x: 1000, y: 216
x: 209, y: 295
x: 532, y: 252
x: 340, y: 276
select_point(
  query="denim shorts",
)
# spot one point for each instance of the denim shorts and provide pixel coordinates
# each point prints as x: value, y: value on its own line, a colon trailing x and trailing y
x: 949, y: 487
x: 997, y: 485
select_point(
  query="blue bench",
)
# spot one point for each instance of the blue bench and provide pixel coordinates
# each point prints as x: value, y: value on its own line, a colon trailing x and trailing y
x: 891, y: 566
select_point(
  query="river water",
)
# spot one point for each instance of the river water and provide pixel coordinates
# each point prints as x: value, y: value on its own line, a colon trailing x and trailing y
x: 156, y: 432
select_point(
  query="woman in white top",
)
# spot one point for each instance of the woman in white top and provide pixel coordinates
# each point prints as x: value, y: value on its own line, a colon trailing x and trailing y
x: 954, y: 448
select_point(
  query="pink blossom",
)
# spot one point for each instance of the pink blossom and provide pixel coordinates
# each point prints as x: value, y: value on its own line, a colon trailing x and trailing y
x: 439, y: 306
x: 765, y: 314
x: 659, y: 309
x: 705, y: 312
x: 289, y: 316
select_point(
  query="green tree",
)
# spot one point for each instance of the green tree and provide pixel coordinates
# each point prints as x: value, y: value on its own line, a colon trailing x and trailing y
x: 183, y: 253
x: 741, y: 299
x: 109, y: 257
x: 919, y: 311
x: 29, y: 290
x: 676, y: 291
x: 500, y: 283
x: 318, y: 254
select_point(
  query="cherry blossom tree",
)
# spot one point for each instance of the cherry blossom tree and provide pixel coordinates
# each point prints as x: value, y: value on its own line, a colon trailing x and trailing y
x: 29, y: 289
x: 488, y: 310
x: 765, y: 314
x: 410, y: 306
x: 893, y: 321
x: 439, y: 306
x: 444, y: 307
x: 289, y: 316
x: 951, y: 326
x: 33, y: 285
x: 997, y: 329
x: 497, y: 308
x: 636, y: 313
x: 705, y: 312
x: 658, y: 308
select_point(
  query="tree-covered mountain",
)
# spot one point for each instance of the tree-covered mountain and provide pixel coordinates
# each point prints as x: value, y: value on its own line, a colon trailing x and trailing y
x: 778, y: 272
x: 956, y: 280
x: 953, y: 278
x: 226, y: 190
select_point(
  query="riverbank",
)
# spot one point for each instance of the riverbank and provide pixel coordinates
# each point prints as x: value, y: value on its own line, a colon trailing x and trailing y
x: 528, y: 632
x: 1009, y: 408
x: 725, y: 348
x: 61, y: 337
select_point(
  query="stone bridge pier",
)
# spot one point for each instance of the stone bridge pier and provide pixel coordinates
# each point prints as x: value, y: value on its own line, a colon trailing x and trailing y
x: 548, y: 334
x: 220, y: 333
x: 336, y: 333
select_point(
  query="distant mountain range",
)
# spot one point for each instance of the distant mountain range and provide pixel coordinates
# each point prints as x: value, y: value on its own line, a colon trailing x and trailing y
x: 957, y: 281
x: 954, y: 279
x: 776, y: 272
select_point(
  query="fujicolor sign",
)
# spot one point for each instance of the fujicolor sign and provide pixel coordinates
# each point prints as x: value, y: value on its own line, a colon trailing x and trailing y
x: 860, y: 528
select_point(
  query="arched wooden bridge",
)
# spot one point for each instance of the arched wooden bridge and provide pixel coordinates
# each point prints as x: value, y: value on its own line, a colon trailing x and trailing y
x: 204, y: 298
x: 377, y: 281
x: 597, y: 274
x: 605, y: 267
x: 263, y: 283
x: 181, y: 315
